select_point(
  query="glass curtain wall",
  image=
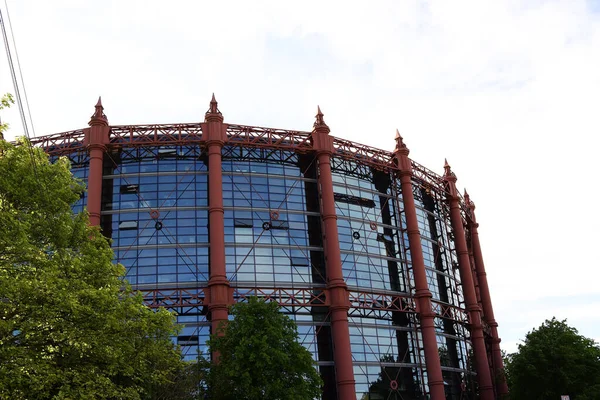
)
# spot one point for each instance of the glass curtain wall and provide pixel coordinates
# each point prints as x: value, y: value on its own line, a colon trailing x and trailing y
x: 155, y: 209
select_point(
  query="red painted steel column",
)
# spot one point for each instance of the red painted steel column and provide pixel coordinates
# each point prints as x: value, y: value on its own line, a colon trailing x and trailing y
x: 486, y: 389
x: 96, y: 138
x: 214, y: 134
x: 486, y: 301
x: 337, y: 290
x: 423, y: 294
x: 475, y: 279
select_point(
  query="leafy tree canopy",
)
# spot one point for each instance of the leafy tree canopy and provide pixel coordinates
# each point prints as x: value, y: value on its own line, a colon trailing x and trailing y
x: 554, y: 360
x: 70, y: 328
x: 260, y: 357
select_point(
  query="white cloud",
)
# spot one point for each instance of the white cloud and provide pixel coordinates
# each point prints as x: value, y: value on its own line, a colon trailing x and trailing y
x: 508, y: 91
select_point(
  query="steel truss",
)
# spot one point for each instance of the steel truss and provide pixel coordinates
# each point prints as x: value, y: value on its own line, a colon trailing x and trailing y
x: 291, y: 297
x: 123, y: 136
x: 175, y: 298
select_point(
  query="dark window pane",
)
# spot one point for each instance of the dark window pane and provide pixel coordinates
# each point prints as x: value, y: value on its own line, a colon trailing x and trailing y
x: 128, y: 225
x: 129, y: 189
x: 359, y: 201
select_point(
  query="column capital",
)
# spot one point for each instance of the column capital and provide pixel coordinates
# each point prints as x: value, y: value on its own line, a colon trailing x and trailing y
x: 471, y: 207
x: 98, y: 118
x: 400, y: 157
x: 214, y: 131
x: 320, y: 126
x: 97, y: 135
x: 320, y: 139
x: 213, y: 114
x: 450, y: 179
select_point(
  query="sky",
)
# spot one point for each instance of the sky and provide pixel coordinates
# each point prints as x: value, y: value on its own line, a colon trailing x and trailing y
x: 507, y: 90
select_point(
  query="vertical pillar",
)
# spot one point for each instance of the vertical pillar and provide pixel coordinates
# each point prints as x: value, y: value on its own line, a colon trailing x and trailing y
x: 423, y: 294
x: 214, y: 135
x: 486, y: 389
x: 96, y: 139
x: 486, y: 302
x: 475, y: 279
x: 337, y: 290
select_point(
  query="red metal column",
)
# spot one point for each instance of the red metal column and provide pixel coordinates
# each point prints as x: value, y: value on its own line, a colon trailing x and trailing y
x: 486, y: 301
x: 486, y: 389
x: 475, y: 279
x: 422, y: 293
x: 214, y: 134
x: 96, y: 139
x: 337, y: 290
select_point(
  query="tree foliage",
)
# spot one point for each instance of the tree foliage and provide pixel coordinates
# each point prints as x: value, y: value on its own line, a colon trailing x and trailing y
x: 70, y: 328
x: 189, y: 383
x: 260, y: 357
x: 554, y: 360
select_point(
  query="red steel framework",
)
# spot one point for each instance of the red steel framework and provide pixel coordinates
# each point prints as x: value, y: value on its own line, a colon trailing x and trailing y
x: 213, y: 134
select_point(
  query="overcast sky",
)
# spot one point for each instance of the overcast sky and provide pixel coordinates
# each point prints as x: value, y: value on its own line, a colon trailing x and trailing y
x: 508, y: 91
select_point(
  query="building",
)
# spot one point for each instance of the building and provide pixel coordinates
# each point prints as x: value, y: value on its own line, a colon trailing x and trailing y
x: 374, y: 256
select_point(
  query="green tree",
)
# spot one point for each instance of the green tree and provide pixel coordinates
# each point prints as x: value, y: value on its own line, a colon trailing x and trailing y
x: 70, y: 327
x: 554, y: 360
x: 260, y: 357
x: 189, y: 383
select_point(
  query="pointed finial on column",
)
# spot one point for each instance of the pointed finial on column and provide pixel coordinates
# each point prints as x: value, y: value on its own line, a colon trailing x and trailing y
x: 447, y: 170
x: 320, y: 125
x: 213, y: 104
x: 400, y: 146
x: 213, y: 113
x: 99, y: 118
x: 468, y: 201
x: 450, y: 179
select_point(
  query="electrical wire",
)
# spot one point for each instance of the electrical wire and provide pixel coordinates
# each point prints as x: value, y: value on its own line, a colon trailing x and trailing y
x: 14, y: 77
x: 19, y: 68
x: 19, y: 102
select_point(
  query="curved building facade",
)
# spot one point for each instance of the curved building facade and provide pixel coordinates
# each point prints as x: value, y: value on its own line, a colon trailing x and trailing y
x: 375, y: 257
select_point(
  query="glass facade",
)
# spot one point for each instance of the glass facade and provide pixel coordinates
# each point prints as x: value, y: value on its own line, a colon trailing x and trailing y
x: 155, y: 210
x: 387, y: 345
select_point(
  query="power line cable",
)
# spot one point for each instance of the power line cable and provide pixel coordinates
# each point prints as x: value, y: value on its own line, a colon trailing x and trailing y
x: 19, y: 67
x: 41, y: 185
x: 14, y: 77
